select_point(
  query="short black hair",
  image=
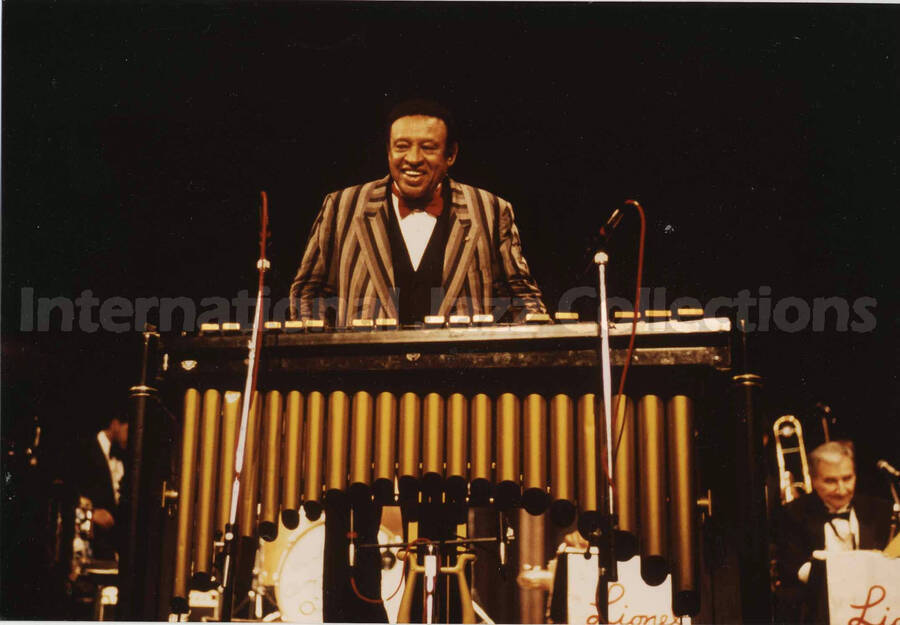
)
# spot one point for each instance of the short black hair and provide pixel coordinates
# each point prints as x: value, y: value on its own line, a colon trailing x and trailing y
x: 120, y: 409
x: 429, y: 108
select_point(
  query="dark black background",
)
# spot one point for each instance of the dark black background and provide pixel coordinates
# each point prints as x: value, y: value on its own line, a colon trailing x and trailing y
x: 761, y: 139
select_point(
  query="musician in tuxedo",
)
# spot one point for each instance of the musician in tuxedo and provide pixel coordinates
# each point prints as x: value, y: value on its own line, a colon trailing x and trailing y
x: 831, y: 518
x: 98, y: 470
x: 413, y: 243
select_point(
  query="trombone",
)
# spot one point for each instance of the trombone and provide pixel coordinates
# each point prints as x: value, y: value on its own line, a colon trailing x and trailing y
x: 789, y: 451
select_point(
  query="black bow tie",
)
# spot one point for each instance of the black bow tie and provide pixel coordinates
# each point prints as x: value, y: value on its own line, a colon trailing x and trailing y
x: 117, y: 452
x: 839, y: 515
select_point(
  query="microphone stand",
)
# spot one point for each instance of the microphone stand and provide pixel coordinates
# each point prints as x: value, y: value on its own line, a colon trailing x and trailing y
x: 226, y: 588
x: 603, y: 535
x: 895, y: 516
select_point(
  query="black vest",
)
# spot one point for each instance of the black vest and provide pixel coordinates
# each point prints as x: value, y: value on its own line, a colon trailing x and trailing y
x: 415, y: 288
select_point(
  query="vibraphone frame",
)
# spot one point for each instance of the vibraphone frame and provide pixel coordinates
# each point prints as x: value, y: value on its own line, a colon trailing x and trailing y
x: 678, y: 359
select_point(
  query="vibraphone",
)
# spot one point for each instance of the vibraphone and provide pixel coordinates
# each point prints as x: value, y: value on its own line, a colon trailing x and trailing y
x: 495, y: 415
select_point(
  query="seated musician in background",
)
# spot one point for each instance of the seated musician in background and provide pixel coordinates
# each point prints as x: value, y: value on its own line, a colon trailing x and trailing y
x: 831, y: 518
x: 411, y: 244
x: 98, y: 471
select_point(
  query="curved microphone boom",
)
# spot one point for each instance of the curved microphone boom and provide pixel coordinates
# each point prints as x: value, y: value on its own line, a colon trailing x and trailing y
x: 611, y: 224
x: 885, y: 466
x: 606, y: 458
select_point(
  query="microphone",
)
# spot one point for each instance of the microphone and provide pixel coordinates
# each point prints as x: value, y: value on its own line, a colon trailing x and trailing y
x: 351, y: 544
x: 611, y: 224
x: 885, y: 466
x: 503, y: 532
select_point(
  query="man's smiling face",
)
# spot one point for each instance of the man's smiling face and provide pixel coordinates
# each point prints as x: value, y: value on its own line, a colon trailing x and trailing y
x: 417, y: 155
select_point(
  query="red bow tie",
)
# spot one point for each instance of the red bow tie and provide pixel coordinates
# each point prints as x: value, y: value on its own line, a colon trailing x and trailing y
x: 434, y: 207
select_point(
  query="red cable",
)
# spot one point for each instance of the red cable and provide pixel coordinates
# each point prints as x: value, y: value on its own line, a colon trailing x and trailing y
x: 630, y: 352
x: 262, y: 265
x: 376, y: 601
x: 399, y: 585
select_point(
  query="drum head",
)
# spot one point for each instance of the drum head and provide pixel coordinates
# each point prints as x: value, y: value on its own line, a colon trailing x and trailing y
x: 299, y: 587
x: 299, y: 581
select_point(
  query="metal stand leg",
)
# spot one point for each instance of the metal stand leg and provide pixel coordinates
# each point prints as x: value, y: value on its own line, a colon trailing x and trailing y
x: 141, y: 495
x: 416, y: 569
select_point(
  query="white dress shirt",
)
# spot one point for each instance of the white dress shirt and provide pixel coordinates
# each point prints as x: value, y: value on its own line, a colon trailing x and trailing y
x: 416, y: 229
x: 116, y: 467
x: 840, y: 535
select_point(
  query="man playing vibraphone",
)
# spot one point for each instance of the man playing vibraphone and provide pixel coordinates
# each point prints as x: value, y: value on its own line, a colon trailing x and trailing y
x: 411, y: 244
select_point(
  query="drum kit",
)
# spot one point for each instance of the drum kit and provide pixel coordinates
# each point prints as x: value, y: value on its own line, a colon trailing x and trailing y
x: 289, y: 573
x: 90, y: 581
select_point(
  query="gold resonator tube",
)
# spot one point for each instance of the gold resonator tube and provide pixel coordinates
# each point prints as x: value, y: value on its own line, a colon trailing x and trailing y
x: 625, y: 476
x: 385, y: 447
x: 408, y: 472
x: 481, y: 476
x: 231, y: 409
x: 361, y: 447
x: 291, y: 462
x: 313, y: 455
x: 683, y: 505
x: 206, y: 490
x: 562, y: 467
x: 271, y: 461
x: 507, y: 493
x: 337, y: 445
x: 249, y: 492
x: 588, y: 500
x: 534, y: 454
x: 457, y: 447
x: 652, y: 445
x: 186, y: 501
x: 433, y: 446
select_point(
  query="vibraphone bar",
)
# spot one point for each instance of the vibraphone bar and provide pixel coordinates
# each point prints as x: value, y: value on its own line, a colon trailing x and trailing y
x: 317, y: 431
x: 300, y: 349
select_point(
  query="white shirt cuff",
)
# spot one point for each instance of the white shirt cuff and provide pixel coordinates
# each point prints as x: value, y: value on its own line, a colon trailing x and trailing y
x: 803, y: 572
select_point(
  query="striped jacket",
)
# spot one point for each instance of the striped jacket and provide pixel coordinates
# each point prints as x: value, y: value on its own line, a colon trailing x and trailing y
x: 347, y: 266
